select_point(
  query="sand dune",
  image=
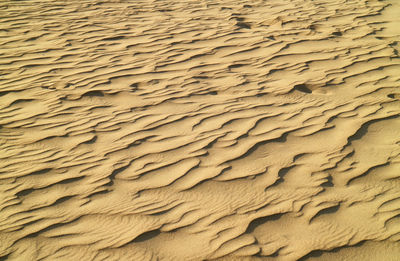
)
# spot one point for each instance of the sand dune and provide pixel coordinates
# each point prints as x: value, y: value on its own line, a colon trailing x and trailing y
x: 199, y: 130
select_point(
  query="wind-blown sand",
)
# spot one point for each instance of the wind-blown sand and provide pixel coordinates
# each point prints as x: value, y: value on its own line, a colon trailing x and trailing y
x: 200, y: 130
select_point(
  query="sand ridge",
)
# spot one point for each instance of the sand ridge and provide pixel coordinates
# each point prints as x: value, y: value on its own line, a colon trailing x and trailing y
x: 199, y: 130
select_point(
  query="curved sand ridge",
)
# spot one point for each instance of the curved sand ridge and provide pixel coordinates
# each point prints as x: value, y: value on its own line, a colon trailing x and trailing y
x: 199, y: 130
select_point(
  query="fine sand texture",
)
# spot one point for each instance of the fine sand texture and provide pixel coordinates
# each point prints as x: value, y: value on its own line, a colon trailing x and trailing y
x: 178, y: 130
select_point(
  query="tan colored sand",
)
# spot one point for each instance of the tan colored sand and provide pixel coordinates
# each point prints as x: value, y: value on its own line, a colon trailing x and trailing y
x: 199, y: 130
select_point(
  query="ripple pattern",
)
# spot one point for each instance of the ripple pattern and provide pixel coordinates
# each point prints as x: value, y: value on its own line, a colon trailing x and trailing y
x: 199, y: 130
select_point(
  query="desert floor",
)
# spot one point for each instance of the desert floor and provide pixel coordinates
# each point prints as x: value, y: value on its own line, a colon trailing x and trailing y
x: 200, y: 130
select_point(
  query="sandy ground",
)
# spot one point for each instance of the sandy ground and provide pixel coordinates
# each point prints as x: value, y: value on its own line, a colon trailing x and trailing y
x: 200, y: 130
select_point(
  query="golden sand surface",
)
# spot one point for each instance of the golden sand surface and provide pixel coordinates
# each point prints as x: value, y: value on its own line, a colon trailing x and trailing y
x: 200, y: 130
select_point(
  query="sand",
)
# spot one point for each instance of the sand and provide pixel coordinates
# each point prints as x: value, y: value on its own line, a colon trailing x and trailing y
x: 200, y: 130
